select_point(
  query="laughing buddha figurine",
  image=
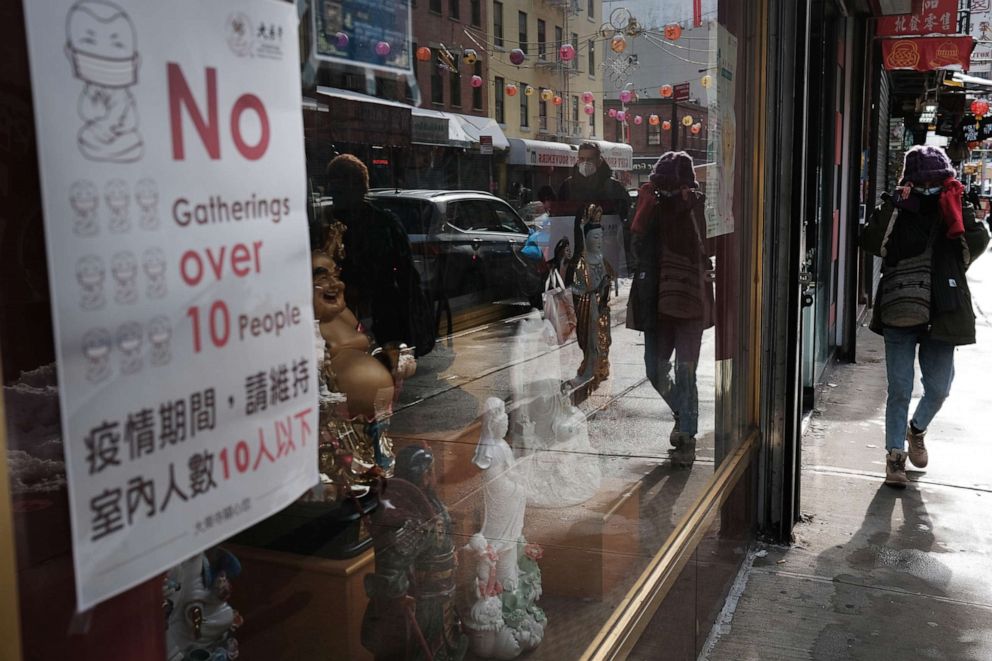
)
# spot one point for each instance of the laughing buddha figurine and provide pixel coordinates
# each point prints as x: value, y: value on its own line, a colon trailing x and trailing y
x: 358, y: 388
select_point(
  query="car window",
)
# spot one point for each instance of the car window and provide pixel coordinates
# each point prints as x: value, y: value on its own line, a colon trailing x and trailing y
x: 506, y: 219
x: 471, y: 216
x: 414, y: 214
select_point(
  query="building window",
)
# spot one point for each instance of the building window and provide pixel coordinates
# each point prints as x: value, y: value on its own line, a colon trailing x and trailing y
x: 476, y: 13
x: 592, y: 57
x: 498, y: 100
x: 542, y: 119
x: 542, y: 47
x: 455, y: 9
x: 437, y: 84
x: 560, y: 114
x: 435, y: 6
x: 524, y: 107
x: 592, y: 117
x: 559, y: 40
x: 477, y: 91
x: 522, y: 30
x: 456, y: 89
x: 591, y: 8
x: 575, y: 111
x: 654, y: 134
x: 575, y: 44
x: 498, y: 24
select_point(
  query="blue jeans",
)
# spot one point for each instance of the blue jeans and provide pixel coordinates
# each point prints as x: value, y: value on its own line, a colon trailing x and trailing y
x: 937, y: 370
x: 683, y: 338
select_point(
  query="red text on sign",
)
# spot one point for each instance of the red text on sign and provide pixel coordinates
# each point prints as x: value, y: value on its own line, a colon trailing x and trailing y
x: 242, y: 258
x: 208, y: 128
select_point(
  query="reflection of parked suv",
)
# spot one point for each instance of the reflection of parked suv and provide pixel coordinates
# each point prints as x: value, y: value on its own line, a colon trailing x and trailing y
x: 466, y: 243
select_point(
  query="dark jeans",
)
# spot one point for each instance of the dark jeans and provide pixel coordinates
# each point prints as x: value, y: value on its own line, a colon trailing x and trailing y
x: 683, y: 338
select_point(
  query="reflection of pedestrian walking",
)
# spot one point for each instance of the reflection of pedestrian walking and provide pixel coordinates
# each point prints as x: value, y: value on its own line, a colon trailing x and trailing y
x: 927, y: 226
x: 672, y: 296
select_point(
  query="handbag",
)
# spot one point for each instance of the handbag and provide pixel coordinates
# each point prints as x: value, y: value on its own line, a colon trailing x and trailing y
x: 559, y: 309
x: 904, y: 292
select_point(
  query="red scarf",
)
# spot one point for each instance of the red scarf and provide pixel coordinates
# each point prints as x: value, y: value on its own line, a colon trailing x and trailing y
x: 950, y: 207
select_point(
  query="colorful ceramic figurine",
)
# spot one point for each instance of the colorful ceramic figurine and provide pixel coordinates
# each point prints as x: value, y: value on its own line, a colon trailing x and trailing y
x: 503, y: 581
x: 411, y: 613
x: 591, y: 285
x: 199, y: 621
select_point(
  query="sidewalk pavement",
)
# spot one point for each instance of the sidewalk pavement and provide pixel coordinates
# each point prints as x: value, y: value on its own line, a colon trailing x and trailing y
x: 878, y: 573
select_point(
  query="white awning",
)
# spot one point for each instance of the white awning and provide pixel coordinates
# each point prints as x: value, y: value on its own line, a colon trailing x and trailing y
x: 619, y: 156
x: 479, y: 126
x: 434, y: 127
x: 541, y: 154
x: 358, y: 96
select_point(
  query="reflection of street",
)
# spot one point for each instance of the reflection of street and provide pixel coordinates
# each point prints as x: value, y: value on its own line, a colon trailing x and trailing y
x: 594, y: 550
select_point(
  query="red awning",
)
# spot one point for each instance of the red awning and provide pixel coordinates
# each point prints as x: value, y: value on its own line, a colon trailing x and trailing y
x: 927, y: 53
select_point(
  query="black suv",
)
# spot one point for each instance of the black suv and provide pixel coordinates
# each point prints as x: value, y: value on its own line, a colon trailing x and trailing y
x: 466, y: 245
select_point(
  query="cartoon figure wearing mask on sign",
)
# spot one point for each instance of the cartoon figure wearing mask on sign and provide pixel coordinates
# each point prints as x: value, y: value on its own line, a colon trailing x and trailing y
x: 97, y: 344
x: 101, y: 44
x: 84, y: 198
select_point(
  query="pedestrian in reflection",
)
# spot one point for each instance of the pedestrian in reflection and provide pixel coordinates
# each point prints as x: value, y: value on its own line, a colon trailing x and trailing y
x: 382, y: 284
x: 927, y: 237
x: 671, y: 298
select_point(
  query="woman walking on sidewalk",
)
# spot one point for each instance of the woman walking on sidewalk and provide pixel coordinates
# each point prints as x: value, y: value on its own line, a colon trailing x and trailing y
x: 927, y: 237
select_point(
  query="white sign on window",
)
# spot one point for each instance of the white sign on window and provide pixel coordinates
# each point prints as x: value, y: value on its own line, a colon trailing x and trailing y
x: 170, y: 142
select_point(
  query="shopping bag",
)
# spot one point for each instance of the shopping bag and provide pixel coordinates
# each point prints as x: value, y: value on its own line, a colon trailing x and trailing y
x: 559, y: 309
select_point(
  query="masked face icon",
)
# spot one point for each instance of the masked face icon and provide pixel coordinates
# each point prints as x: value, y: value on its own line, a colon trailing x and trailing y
x: 97, y: 344
x: 90, y: 274
x: 101, y: 44
x: 129, y: 337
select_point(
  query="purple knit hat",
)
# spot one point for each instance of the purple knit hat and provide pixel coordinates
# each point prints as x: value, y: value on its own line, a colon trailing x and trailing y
x: 924, y: 163
x: 674, y: 170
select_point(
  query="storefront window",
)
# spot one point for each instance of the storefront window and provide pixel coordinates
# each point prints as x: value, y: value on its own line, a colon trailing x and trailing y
x: 523, y: 385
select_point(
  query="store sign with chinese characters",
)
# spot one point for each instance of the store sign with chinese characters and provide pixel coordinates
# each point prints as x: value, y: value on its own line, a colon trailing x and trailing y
x: 170, y: 143
x: 932, y: 17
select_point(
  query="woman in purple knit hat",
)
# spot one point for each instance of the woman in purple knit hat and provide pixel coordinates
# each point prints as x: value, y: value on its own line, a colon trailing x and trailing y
x: 927, y: 237
x: 672, y: 296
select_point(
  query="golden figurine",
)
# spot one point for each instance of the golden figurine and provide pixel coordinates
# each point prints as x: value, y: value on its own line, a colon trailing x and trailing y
x: 354, y: 448
x: 593, y: 279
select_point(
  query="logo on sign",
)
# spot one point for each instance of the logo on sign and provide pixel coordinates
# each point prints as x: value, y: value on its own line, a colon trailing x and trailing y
x: 239, y: 34
x: 904, y: 54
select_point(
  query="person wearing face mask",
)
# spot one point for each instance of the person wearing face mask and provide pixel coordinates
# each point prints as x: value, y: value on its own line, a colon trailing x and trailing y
x: 671, y: 299
x: 382, y: 285
x: 927, y: 220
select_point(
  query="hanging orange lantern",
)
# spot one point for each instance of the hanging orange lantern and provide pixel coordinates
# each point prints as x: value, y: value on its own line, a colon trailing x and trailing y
x: 666, y: 91
x: 654, y: 120
x: 618, y: 44
x: 511, y: 89
x: 696, y: 128
x: 687, y: 120
x: 558, y: 100
x: 423, y: 54
x: 667, y: 125
x: 673, y: 32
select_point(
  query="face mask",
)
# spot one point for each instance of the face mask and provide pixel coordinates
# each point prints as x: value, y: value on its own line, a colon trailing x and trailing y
x: 105, y: 71
x: 587, y: 169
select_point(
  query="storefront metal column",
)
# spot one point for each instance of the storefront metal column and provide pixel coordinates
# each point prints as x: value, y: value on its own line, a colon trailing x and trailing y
x: 781, y: 412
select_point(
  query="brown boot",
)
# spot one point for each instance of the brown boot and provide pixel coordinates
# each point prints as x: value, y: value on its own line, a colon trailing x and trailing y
x: 917, y: 448
x: 895, y: 469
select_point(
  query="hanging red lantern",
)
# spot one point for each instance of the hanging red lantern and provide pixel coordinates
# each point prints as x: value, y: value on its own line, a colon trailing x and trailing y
x: 667, y: 125
x: 696, y: 128
x: 511, y: 89
x: 673, y: 32
x: 654, y: 120
x: 666, y: 91
x: 423, y: 54
x: 558, y: 100
x: 979, y: 107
